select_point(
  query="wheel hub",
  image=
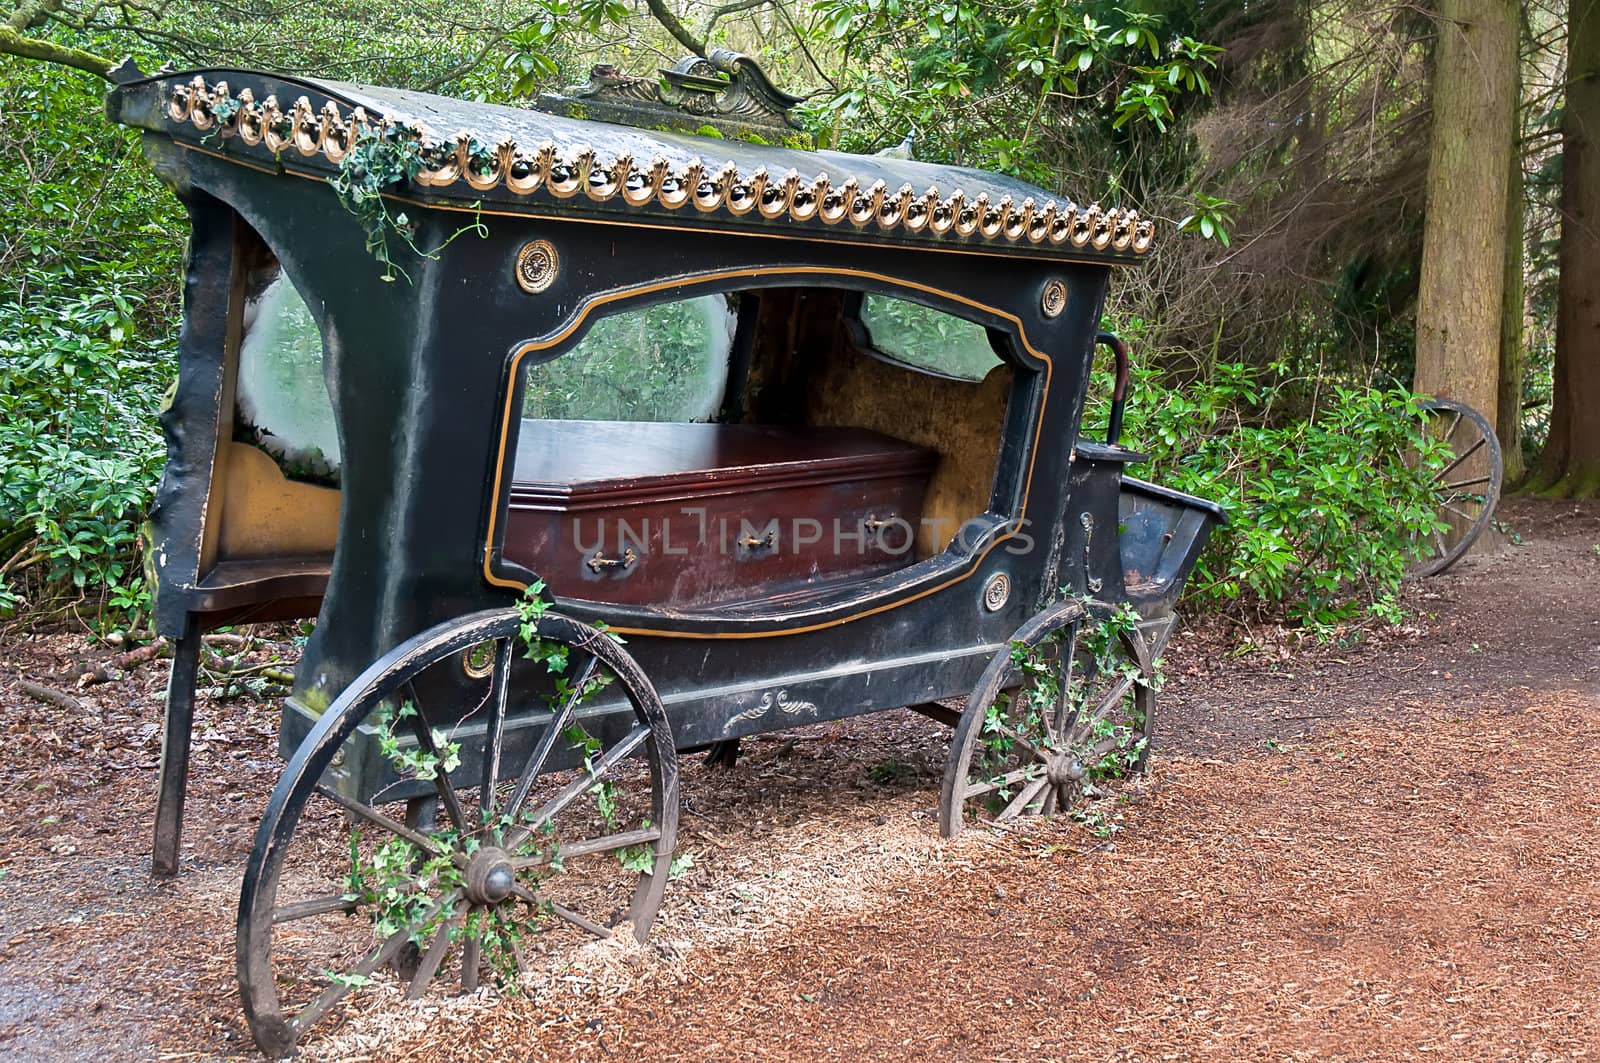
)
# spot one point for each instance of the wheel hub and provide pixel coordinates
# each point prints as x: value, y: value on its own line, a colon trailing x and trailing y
x: 489, y: 876
x: 1065, y: 769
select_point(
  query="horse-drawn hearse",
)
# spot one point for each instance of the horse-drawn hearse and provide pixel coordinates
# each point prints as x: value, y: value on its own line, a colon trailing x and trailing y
x: 587, y: 442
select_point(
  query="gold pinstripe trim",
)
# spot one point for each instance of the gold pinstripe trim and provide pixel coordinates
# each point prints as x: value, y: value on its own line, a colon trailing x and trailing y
x: 589, y: 306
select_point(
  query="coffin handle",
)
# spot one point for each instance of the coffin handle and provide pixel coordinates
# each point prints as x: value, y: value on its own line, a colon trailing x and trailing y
x: 600, y: 562
x: 752, y: 544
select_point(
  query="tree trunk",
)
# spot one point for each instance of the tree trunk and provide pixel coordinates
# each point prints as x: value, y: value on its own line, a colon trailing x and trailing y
x: 1464, y: 238
x: 1570, y: 463
x: 1513, y: 358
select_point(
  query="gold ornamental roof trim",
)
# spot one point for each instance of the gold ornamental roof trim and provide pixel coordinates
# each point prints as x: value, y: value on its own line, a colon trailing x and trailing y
x: 525, y: 157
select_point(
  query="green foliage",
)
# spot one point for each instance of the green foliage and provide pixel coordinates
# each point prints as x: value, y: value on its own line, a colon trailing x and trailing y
x: 528, y: 61
x: 89, y: 270
x: 1325, y: 507
x: 423, y: 765
x: 666, y: 362
x: 927, y: 338
x: 456, y: 47
x: 1211, y: 219
x: 998, y: 84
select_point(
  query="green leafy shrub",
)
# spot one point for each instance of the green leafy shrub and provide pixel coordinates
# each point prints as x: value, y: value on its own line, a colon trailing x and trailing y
x: 90, y: 247
x: 79, y: 448
x: 1325, y: 501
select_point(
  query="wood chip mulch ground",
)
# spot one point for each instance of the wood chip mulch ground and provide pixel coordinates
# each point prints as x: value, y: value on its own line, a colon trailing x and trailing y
x: 1379, y: 847
x: 1369, y: 894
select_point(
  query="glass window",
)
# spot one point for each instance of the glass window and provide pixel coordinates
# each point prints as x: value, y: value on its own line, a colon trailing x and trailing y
x: 281, y: 397
x: 667, y: 362
x: 927, y: 339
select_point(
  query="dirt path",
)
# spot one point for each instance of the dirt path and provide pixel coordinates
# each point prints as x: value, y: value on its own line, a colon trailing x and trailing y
x: 1383, y: 850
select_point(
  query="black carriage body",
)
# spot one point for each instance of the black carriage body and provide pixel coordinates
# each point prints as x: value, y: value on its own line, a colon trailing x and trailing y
x: 425, y: 376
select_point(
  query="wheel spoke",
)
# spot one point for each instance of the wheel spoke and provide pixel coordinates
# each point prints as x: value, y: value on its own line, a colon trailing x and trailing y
x: 1033, y: 751
x: 1474, y: 482
x: 1029, y: 794
x: 288, y: 913
x: 1448, y: 469
x: 570, y: 916
x: 1099, y: 751
x: 547, y: 741
x: 607, y: 844
x: 1450, y: 433
x: 1111, y: 700
x: 441, y: 778
x: 375, y: 959
x: 376, y: 818
x: 1067, y: 713
x: 434, y: 956
x: 579, y: 786
x: 471, y: 957
x: 560, y: 912
x: 1067, y: 696
x: 494, y: 728
x: 989, y: 786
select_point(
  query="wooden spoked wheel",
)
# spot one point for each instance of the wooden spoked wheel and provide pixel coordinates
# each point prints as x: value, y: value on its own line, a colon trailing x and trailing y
x: 524, y: 806
x: 1468, y: 483
x: 1068, y: 708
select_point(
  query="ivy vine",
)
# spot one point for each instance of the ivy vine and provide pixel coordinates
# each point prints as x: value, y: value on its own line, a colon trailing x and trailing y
x: 380, y: 159
x: 1096, y: 664
x: 398, y: 885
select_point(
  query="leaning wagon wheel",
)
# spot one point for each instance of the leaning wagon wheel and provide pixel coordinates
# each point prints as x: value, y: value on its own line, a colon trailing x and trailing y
x: 1069, y: 706
x: 527, y: 822
x: 1468, y: 483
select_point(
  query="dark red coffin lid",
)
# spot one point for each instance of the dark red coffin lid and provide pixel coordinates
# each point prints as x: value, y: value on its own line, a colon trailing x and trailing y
x: 585, y: 464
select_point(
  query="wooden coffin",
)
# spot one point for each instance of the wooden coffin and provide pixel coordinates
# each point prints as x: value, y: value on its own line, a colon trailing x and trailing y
x: 687, y: 514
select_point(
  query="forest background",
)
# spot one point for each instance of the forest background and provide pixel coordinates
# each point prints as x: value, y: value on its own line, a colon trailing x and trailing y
x: 1355, y: 202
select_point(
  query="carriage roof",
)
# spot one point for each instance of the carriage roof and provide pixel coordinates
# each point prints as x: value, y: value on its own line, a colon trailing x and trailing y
x: 538, y: 163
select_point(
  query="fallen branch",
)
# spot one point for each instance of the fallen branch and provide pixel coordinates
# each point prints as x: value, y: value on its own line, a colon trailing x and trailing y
x: 22, y: 558
x: 51, y: 696
x: 270, y: 670
x: 117, y: 667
